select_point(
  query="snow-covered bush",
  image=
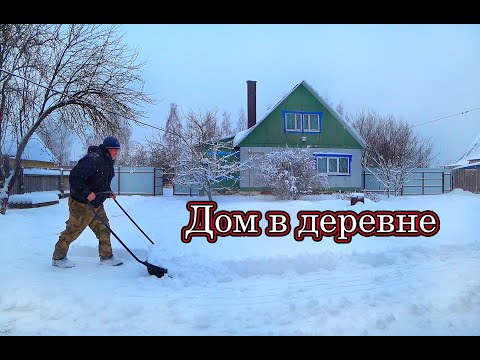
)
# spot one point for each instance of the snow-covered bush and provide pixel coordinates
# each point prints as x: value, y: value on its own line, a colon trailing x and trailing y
x: 375, y: 197
x: 291, y: 173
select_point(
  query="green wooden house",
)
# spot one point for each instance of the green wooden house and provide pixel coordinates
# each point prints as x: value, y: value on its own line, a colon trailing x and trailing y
x: 301, y: 119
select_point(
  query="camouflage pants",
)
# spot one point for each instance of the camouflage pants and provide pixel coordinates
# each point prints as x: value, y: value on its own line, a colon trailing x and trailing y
x: 81, y: 216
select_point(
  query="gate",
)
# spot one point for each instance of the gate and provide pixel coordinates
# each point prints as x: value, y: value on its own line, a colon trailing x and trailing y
x: 137, y: 181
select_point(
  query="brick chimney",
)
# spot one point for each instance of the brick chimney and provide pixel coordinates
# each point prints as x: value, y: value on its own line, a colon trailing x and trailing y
x: 251, y: 103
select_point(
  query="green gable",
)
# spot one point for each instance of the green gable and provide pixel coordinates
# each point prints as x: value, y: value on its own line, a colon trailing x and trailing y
x: 334, y: 133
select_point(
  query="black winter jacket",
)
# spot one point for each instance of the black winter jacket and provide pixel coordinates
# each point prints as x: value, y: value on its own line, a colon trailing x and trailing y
x: 93, y: 173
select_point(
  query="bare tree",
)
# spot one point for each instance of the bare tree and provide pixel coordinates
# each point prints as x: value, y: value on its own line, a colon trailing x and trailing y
x: 163, y: 157
x: 168, y: 151
x: 242, y: 120
x: 84, y: 73
x: 151, y: 153
x: 210, y: 166
x: 173, y: 127
x: 340, y: 108
x: 123, y: 133
x: 226, y: 124
x: 57, y: 138
x: 205, y: 162
x: 20, y: 46
x: 124, y: 136
x: 393, y: 149
x: 137, y: 156
x: 201, y: 128
x: 19, y: 50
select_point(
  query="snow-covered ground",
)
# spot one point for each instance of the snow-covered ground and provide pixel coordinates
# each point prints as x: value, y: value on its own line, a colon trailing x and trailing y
x: 238, y: 285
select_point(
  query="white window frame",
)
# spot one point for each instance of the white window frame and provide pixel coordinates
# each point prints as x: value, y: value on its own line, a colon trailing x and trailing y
x: 303, y: 121
x: 307, y: 122
x: 333, y: 171
x: 298, y: 121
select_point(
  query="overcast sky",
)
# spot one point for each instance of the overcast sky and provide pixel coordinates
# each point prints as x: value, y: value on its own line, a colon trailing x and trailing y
x: 418, y: 73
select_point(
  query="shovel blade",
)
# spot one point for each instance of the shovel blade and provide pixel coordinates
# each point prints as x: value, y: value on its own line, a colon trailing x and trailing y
x: 155, y: 270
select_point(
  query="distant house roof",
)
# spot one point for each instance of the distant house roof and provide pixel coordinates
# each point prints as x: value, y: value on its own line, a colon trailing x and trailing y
x: 472, y: 153
x: 243, y: 134
x: 468, y: 166
x: 35, y: 150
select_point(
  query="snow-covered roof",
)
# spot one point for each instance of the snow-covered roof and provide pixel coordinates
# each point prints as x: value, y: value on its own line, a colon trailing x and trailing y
x: 47, y: 172
x: 35, y: 150
x: 243, y: 134
x: 468, y: 166
x: 472, y: 153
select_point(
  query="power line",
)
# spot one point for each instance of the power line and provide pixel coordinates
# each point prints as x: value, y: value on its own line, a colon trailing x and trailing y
x: 444, y: 117
x: 70, y: 96
x: 161, y: 129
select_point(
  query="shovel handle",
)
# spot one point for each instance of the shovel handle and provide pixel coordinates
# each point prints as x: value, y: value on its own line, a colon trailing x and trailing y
x: 138, y: 227
x: 109, y: 229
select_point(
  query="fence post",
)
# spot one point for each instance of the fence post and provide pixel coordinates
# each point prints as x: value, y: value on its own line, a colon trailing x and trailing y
x: 22, y: 181
x: 477, y: 173
x: 443, y: 182
x: 118, y: 190
x: 62, y: 184
x: 363, y: 180
x: 154, y: 181
x: 423, y: 183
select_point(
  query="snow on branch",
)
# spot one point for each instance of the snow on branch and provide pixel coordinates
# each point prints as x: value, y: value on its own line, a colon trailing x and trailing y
x: 210, y: 166
x: 291, y: 173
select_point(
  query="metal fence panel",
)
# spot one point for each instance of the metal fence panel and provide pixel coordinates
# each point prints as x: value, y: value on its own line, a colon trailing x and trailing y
x: 180, y: 189
x: 149, y: 181
x: 422, y: 181
x: 158, y: 182
x: 137, y: 181
x: 186, y: 190
x: 127, y: 180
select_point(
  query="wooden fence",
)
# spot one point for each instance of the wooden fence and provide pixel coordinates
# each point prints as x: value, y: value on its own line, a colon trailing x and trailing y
x: 467, y: 179
x: 32, y: 180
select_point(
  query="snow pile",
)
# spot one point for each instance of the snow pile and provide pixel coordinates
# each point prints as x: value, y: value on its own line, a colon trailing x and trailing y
x: 34, y: 197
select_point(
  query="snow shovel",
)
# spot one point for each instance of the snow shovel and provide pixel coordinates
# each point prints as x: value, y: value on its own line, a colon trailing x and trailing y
x: 152, y: 269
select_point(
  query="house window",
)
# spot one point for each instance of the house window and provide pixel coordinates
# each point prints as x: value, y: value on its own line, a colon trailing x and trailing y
x: 297, y: 121
x: 311, y: 122
x: 334, y: 164
x: 294, y: 122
